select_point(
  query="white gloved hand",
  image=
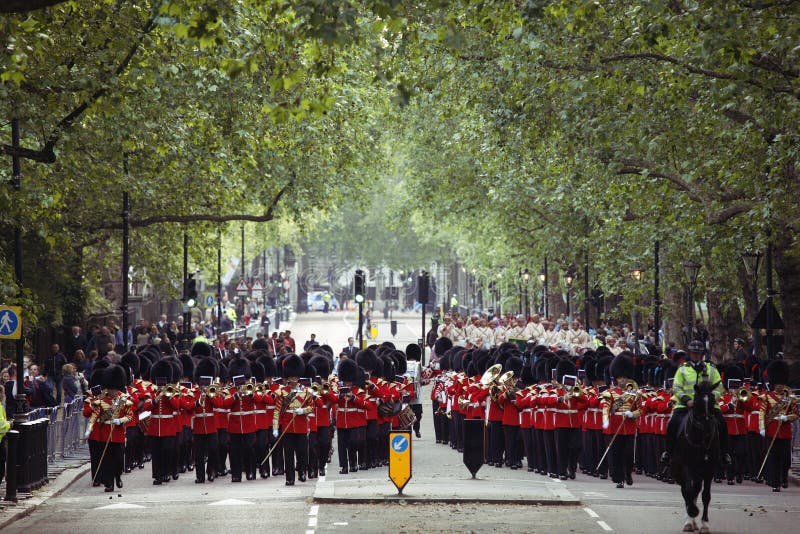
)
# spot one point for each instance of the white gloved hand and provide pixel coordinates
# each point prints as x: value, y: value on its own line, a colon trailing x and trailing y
x: 783, y: 418
x: 274, y: 432
x: 299, y: 411
x: 629, y: 414
x: 87, y: 433
x: 763, y: 433
x: 605, y: 424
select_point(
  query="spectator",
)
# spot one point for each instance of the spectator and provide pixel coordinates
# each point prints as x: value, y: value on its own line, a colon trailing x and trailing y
x: 76, y: 341
x: 310, y: 342
x: 288, y: 340
x: 41, y: 393
x: 104, y: 341
x: 53, y: 365
x: 79, y: 359
x: 70, y: 383
x: 5, y: 426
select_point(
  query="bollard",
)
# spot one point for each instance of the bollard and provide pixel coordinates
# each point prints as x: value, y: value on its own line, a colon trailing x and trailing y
x: 11, y: 465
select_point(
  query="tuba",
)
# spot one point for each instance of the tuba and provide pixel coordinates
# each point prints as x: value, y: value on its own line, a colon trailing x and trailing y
x: 491, y: 375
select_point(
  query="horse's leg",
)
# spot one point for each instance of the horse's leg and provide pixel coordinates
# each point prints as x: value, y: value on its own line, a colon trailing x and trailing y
x: 689, y: 495
x: 706, y: 500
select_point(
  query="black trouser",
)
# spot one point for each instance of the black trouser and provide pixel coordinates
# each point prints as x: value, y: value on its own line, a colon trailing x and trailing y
x: 95, y: 450
x: 451, y: 426
x: 347, y: 442
x: 134, y: 449
x: 527, y: 441
x: 604, y: 468
x: 444, y: 426
x: 383, y: 441
x: 568, y: 448
x: 755, y: 453
x: 3, y: 459
x: 224, y: 441
x: 593, y: 448
x: 323, y: 445
x: 458, y: 417
x: 621, y: 458
x: 496, y: 443
x: 185, y: 448
x: 437, y: 422
x: 313, y: 451
x: 738, y: 452
x: 295, y: 445
x: 163, y: 450
x: 776, y: 469
x: 206, y: 448
x: 371, y: 443
x: 549, y: 439
x: 538, y: 450
x: 112, y: 464
x: 417, y: 409
x: 511, y: 439
x: 260, y: 449
x: 277, y: 454
x: 241, y: 452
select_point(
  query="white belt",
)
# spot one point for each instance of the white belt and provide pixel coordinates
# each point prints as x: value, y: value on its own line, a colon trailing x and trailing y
x: 348, y: 410
x: 556, y: 410
x: 221, y: 410
x: 204, y: 415
x: 476, y: 404
x: 540, y: 410
x: 260, y: 411
x: 161, y: 416
x: 527, y: 410
x: 598, y: 410
x: 735, y: 416
x: 242, y: 413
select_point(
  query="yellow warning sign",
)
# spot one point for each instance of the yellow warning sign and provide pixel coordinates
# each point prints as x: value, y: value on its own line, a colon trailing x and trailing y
x: 10, y: 322
x: 400, y: 458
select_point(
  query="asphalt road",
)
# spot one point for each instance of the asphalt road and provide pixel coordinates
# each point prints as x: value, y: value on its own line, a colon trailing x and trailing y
x: 183, y: 506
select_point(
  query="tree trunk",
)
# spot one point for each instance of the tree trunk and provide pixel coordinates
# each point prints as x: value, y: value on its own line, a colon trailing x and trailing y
x: 672, y: 312
x: 724, y: 325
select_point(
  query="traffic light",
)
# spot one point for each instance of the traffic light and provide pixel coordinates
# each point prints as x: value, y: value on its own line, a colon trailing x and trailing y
x: 191, y: 291
x: 422, y: 288
x: 359, y: 286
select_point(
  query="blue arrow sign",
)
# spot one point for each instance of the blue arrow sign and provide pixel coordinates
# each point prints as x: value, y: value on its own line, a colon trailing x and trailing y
x: 399, y: 444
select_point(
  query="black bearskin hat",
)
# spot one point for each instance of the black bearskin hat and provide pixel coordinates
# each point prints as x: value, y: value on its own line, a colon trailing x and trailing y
x: 187, y: 363
x: 239, y: 366
x: 205, y: 367
x: 114, y: 378
x: 564, y: 367
x: 258, y: 371
x: 270, y: 369
x: 733, y: 372
x: 98, y: 377
x: 161, y: 370
x: 366, y: 359
x: 292, y: 366
x: 778, y: 373
x: 402, y: 364
x: 327, y: 348
x: 348, y: 370
x: 200, y: 349
x: 322, y: 365
x: 130, y: 362
x: 621, y: 367
x: 144, y: 367
x: 442, y: 345
x: 513, y: 364
x: 601, y: 369
x: 413, y: 352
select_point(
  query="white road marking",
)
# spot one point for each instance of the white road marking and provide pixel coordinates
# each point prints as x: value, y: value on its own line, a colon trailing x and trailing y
x: 314, y: 510
x: 230, y: 502
x: 605, y: 526
x: 312, y: 522
x: 309, y: 532
x: 119, y: 506
x: 591, y: 512
x: 340, y: 524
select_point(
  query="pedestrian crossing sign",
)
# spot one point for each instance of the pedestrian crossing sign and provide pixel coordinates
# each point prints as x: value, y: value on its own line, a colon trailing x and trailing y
x: 10, y: 322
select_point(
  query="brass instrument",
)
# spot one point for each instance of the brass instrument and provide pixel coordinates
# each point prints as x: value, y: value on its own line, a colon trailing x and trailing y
x: 212, y: 391
x: 781, y: 407
x: 491, y: 375
x: 169, y: 391
x: 320, y: 389
x: 576, y: 391
x: 743, y: 395
x: 261, y: 388
x: 248, y: 389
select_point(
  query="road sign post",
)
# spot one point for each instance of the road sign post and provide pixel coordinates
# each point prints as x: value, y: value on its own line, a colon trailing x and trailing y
x: 400, y: 458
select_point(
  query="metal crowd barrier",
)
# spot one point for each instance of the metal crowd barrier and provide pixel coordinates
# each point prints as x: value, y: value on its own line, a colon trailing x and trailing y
x: 46, y: 435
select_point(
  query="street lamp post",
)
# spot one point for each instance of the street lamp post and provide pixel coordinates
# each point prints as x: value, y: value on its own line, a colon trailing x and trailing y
x: 691, y: 269
x: 656, y: 297
x: 752, y: 261
x: 636, y: 274
x: 569, y: 277
x: 526, y: 275
x: 543, y: 280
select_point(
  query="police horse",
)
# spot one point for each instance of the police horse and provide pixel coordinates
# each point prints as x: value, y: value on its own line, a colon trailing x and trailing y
x: 697, y: 455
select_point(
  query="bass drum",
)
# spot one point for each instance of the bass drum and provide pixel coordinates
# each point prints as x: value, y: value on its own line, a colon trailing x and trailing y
x: 405, y: 418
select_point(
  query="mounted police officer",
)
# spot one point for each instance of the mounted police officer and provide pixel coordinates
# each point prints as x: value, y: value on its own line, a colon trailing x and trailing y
x: 687, y: 376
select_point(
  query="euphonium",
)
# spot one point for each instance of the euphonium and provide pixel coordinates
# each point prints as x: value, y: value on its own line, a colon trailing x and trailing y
x: 213, y: 390
x: 248, y: 388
